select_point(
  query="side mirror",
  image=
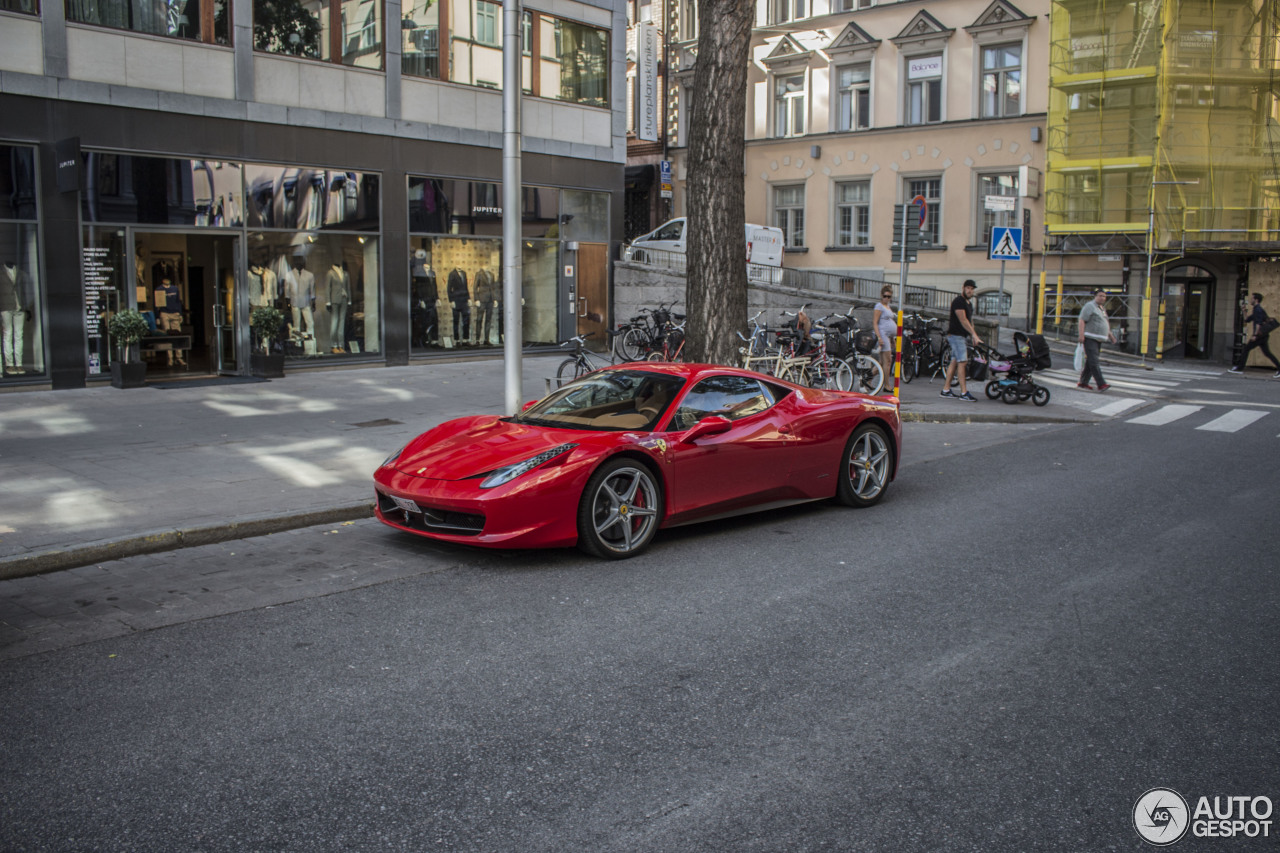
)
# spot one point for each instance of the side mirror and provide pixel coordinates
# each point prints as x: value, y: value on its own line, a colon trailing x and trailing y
x: 713, y: 425
x: 529, y: 405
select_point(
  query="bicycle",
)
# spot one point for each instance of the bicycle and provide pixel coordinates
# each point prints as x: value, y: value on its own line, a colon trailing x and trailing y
x: 582, y: 362
x: 672, y: 346
x: 644, y: 333
x: 868, y: 375
x: 919, y: 353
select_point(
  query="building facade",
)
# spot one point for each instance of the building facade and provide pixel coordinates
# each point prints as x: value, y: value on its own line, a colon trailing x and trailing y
x: 340, y: 162
x: 855, y: 107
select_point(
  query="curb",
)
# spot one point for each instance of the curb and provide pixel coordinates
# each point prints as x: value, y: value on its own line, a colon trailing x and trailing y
x: 157, y: 541
x: 987, y: 418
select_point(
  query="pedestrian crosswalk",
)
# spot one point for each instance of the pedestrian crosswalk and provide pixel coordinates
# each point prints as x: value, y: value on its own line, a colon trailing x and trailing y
x: 1233, y: 420
x: 1125, y: 380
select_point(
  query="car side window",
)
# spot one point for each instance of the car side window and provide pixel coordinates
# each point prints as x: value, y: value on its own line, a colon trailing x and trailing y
x: 732, y: 397
x: 670, y: 232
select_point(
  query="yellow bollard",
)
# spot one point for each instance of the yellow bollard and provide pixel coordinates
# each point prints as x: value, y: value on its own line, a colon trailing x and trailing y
x: 1040, y: 310
x: 1160, y: 334
x: 1057, y: 311
x: 1146, y: 326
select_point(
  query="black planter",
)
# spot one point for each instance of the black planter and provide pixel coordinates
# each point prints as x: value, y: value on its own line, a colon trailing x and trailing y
x: 128, y: 374
x: 267, y: 366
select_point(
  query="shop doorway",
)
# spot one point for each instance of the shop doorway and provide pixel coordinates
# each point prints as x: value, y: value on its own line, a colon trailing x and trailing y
x: 186, y: 285
x: 1189, y: 293
x: 593, y: 293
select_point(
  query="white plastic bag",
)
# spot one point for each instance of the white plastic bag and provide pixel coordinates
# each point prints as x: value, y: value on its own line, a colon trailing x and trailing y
x: 1079, y: 359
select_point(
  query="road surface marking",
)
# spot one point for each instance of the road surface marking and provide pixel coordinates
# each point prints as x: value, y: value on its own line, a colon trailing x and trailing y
x: 1234, y: 420
x: 1118, y: 407
x: 1166, y: 415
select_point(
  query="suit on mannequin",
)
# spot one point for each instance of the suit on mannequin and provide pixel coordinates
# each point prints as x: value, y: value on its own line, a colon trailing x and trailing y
x: 337, y: 298
x: 424, y: 295
x: 300, y: 287
x: 15, y: 301
x: 168, y: 300
x: 460, y: 298
x: 262, y: 286
x: 487, y: 301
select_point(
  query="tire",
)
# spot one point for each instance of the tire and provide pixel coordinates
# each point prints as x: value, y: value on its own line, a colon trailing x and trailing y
x: 1040, y: 396
x: 568, y: 371
x: 656, y: 355
x: 834, y: 374
x: 796, y: 373
x: 633, y: 345
x: 910, y: 365
x: 865, y: 465
x: 1010, y: 395
x: 868, y: 375
x: 620, y: 510
x: 993, y: 390
x: 944, y: 361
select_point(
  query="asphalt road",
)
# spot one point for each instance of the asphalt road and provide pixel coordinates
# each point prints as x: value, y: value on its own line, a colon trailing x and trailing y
x: 1036, y: 626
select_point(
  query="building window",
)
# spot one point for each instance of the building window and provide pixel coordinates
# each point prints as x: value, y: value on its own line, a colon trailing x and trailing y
x: 853, y: 213
x: 989, y: 304
x: 486, y: 22
x: 854, y: 96
x: 931, y: 189
x: 1005, y: 186
x: 789, y: 105
x: 788, y: 214
x: 348, y: 32
x: 420, y: 39
x: 689, y: 20
x: 25, y: 7
x: 924, y: 89
x: 208, y: 21
x: 1002, y: 81
x: 574, y: 62
x: 787, y: 10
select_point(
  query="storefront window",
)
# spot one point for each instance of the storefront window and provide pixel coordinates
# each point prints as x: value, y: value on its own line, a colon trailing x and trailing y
x: 200, y: 20
x: 21, y: 283
x: 162, y: 191
x: 344, y: 31
x: 455, y: 268
x: 105, y: 282
x: 585, y: 216
x: 327, y: 287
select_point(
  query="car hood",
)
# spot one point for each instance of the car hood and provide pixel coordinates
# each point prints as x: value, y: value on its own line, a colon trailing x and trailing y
x: 468, y: 447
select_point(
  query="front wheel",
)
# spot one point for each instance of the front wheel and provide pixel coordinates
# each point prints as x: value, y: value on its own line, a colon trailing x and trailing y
x: 993, y: 390
x: 864, y: 467
x: 1040, y: 396
x: 910, y: 365
x: 568, y: 371
x: 633, y: 344
x: 868, y: 375
x: 1010, y: 395
x: 619, y: 511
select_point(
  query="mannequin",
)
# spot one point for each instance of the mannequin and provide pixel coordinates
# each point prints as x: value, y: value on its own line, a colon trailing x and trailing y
x: 423, y: 295
x: 15, y: 301
x: 486, y: 291
x: 169, y: 308
x: 300, y: 287
x: 337, y: 297
x: 460, y: 299
x: 262, y: 286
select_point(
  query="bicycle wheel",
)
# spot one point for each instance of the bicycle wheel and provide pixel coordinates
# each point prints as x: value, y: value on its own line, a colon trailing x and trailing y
x: 569, y: 370
x: 632, y: 345
x: 868, y: 375
x: 796, y: 373
x: 837, y: 375
x: 944, y: 360
x: 910, y: 364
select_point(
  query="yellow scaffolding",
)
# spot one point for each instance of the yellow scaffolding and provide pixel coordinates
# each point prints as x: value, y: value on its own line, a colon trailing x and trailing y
x: 1164, y: 125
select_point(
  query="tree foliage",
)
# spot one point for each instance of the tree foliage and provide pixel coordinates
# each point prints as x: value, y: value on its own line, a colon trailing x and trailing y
x: 717, y: 270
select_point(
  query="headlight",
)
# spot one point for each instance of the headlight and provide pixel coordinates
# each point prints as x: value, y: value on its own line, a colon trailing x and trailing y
x: 510, y: 472
x: 393, y: 457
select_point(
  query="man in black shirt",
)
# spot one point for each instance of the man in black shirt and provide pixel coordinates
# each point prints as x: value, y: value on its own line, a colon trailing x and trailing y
x: 1258, y: 318
x: 960, y: 325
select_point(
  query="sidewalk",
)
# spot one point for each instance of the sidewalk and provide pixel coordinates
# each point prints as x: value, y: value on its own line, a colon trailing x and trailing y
x: 98, y: 474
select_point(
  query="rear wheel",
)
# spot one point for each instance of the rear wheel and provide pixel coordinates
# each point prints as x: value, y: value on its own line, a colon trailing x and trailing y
x: 632, y: 345
x: 910, y: 364
x: 993, y: 390
x: 868, y: 375
x: 796, y: 373
x: 1010, y: 395
x: 568, y: 371
x: 1040, y: 396
x: 864, y: 467
x: 619, y: 511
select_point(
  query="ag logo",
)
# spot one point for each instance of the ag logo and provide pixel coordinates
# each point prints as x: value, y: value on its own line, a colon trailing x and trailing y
x: 1161, y: 817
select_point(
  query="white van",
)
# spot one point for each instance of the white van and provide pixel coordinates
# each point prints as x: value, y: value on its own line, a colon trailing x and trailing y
x: 764, y: 245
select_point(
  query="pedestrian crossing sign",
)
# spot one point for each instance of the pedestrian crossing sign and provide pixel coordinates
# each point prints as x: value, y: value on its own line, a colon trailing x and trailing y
x: 1006, y: 244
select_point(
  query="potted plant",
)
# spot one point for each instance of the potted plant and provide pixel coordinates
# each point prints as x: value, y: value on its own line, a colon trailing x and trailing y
x: 126, y: 328
x: 267, y: 358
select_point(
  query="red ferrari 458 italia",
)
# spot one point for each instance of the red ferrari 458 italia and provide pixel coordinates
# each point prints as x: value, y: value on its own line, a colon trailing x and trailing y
x: 605, y: 461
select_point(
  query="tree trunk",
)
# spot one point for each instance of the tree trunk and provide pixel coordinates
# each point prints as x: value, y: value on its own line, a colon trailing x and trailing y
x: 717, y: 269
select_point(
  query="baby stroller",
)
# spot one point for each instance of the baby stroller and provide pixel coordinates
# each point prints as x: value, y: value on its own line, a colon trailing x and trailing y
x: 1011, y: 376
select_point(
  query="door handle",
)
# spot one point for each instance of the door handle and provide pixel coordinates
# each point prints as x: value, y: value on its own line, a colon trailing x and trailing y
x: 583, y: 306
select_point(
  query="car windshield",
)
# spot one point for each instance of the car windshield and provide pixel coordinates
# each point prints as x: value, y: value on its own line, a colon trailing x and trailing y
x: 606, y: 400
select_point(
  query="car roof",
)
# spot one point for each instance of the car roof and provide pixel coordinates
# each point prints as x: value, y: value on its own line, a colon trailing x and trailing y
x: 689, y: 371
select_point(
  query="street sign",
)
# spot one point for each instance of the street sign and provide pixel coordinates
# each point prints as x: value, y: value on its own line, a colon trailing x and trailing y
x: 664, y: 178
x: 1006, y: 244
x: 906, y: 226
x: 1000, y: 203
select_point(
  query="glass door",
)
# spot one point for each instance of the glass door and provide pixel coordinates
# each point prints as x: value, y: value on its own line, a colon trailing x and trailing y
x: 229, y: 349
x: 1199, y: 313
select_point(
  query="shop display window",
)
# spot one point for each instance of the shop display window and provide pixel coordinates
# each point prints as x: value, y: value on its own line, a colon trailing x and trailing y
x: 208, y: 21
x: 162, y: 191
x: 456, y: 292
x: 348, y: 32
x: 448, y: 206
x: 310, y: 199
x: 21, y: 282
x: 106, y: 279
x: 327, y: 287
